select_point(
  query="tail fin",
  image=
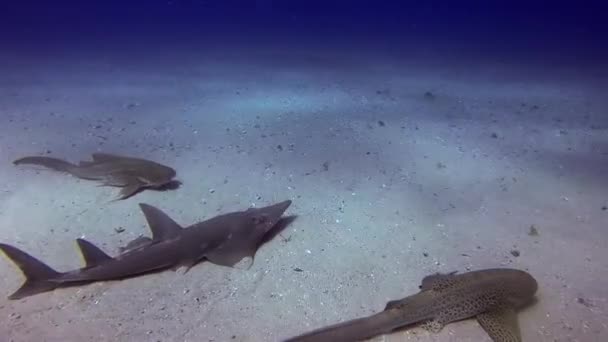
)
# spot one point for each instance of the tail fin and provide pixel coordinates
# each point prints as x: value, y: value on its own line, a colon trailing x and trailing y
x: 37, y: 274
x: 52, y: 163
x: 358, y: 329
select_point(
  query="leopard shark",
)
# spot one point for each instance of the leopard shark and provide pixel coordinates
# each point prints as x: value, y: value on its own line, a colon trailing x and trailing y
x: 492, y: 296
x: 230, y: 239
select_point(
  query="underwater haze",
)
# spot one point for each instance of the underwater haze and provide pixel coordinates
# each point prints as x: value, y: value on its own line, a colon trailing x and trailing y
x: 412, y: 137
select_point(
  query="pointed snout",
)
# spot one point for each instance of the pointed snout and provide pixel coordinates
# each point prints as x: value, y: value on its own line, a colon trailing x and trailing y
x: 277, y: 210
x: 274, y: 212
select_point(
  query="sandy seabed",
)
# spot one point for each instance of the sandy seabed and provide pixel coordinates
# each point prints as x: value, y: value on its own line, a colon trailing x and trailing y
x: 398, y: 167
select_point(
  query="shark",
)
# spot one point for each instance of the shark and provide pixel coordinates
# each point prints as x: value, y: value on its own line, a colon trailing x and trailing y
x: 230, y: 239
x: 129, y: 173
x: 492, y: 296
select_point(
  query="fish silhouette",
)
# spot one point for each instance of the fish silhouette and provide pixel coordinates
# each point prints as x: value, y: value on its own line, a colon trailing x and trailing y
x: 492, y: 296
x: 130, y: 174
x: 228, y: 240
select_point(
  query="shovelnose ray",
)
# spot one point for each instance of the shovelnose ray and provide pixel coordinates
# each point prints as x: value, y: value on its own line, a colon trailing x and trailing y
x: 130, y: 174
x: 492, y: 296
x: 223, y: 240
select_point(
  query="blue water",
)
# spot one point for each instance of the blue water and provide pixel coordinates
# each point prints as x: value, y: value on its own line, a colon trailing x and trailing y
x: 560, y: 31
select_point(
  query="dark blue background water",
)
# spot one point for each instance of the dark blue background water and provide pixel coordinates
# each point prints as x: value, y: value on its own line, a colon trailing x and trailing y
x: 547, y: 29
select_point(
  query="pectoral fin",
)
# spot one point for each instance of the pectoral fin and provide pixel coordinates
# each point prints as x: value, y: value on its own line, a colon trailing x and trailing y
x: 188, y: 265
x: 240, y: 257
x: 129, y: 190
x: 501, y: 324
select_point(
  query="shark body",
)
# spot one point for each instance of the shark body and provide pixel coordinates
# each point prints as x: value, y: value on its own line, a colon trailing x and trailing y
x: 223, y: 240
x: 130, y: 174
x: 492, y: 296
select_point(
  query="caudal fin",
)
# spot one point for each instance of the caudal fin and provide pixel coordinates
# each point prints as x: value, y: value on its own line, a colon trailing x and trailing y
x: 52, y: 163
x: 38, y: 275
x: 358, y: 329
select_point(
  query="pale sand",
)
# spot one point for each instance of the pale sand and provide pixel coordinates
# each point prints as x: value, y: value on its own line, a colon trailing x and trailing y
x: 411, y: 185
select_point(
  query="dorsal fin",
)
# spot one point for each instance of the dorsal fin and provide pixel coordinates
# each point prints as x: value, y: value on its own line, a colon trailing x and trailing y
x: 438, y: 281
x: 91, y: 254
x: 162, y: 226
